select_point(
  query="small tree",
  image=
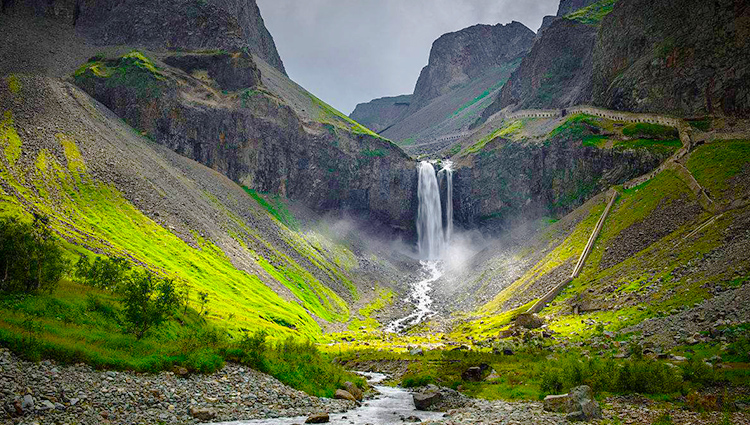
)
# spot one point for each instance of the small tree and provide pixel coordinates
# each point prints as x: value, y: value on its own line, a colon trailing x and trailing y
x: 185, y: 291
x: 30, y: 257
x: 203, y: 298
x: 107, y: 273
x: 149, y: 301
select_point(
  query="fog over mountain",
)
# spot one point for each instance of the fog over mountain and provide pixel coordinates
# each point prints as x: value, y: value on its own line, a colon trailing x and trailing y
x: 353, y: 51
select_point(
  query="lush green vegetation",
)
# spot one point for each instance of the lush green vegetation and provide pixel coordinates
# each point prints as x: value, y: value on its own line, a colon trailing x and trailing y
x: 650, y: 131
x: 660, y: 146
x: 275, y: 207
x: 133, y: 70
x: 30, y: 258
x: 593, y: 14
x: 508, y: 129
x: 714, y: 165
x: 298, y: 364
x: 577, y: 126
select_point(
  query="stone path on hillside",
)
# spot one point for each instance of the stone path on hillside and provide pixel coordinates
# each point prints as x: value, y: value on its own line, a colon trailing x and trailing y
x: 49, y: 393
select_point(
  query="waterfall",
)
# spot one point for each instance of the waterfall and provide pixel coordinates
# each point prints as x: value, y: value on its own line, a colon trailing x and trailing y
x: 430, y: 236
x: 448, y: 170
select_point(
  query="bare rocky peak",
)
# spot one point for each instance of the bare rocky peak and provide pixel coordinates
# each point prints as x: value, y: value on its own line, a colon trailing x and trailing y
x: 458, y: 57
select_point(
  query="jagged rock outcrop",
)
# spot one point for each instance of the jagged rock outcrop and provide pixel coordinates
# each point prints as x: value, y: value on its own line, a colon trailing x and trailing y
x: 671, y: 56
x: 253, y: 137
x: 556, y: 73
x: 233, y: 25
x: 379, y: 114
x: 570, y: 6
x: 458, y: 57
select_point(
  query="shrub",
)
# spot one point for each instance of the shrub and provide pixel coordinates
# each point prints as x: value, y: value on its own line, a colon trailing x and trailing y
x: 108, y: 273
x: 30, y: 258
x: 149, y: 301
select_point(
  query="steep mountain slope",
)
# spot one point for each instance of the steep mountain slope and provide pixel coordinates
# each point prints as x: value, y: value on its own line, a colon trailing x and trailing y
x: 457, y: 58
x: 465, y: 70
x: 569, y: 6
x: 110, y: 191
x: 684, y: 58
x: 661, y: 252
x: 379, y: 114
x: 555, y: 74
x: 175, y: 24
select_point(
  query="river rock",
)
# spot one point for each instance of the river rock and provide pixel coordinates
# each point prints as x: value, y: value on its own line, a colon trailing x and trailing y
x: 202, y: 413
x: 579, y: 404
x: 353, y: 390
x: 344, y: 395
x: 318, y: 418
x: 438, y: 399
x: 27, y: 403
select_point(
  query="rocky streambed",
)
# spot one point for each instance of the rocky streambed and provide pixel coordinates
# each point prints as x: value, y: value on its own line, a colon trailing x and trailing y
x: 48, y: 393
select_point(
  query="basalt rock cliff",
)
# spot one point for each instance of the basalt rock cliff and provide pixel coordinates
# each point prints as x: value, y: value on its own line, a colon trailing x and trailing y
x: 253, y: 136
x: 680, y: 57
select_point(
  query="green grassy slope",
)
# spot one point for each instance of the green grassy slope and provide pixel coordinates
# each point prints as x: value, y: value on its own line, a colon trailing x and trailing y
x: 252, y: 277
x: 636, y: 268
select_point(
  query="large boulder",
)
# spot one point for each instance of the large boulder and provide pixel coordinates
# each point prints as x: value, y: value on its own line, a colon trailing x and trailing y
x: 529, y: 321
x: 438, y: 399
x: 475, y: 373
x: 318, y: 418
x: 579, y: 404
x: 202, y: 413
x: 344, y: 395
x: 353, y: 390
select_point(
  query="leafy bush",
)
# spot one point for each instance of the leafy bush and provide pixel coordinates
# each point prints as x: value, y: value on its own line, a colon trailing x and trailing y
x: 108, y: 273
x: 30, y: 258
x: 297, y: 364
x: 149, y: 301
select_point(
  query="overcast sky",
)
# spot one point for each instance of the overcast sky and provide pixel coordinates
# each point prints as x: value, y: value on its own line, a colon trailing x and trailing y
x: 352, y: 51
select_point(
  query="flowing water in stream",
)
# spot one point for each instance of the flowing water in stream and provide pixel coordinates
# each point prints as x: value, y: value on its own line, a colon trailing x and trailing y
x: 392, y: 406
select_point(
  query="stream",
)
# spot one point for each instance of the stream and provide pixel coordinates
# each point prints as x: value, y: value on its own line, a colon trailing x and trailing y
x: 420, y: 296
x: 389, y: 408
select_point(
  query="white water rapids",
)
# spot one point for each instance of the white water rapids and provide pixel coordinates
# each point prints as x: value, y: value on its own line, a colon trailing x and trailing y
x: 432, y: 240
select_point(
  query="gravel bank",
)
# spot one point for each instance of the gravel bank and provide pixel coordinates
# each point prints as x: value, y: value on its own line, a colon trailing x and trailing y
x: 49, y: 393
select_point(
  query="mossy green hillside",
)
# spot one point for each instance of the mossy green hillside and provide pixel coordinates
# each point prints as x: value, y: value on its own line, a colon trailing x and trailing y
x: 95, y: 215
x: 507, y: 130
x: 716, y: 165
x: 133, y: 70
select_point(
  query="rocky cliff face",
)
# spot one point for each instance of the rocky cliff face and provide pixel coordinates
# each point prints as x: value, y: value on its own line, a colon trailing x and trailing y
x: 457, y: 58
x: 511, y: 180
x: 379, y: 114
x: 680, y: 57
x: 252, y: 136
x: 556, y: 73
x: 570, y: 6
x: 233, y: 25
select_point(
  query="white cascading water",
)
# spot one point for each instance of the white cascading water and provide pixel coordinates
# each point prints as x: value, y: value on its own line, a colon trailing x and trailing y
x: 432, y: 240
x: 447, y: 171
x: 429, y: 216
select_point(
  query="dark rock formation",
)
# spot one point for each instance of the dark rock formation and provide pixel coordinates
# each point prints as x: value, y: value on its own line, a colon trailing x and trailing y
x: 546, y: 23
x: 254, y: 138
x: 507, y: 180
x: 233, y: 25
x: 671, y: 56
x: 570, y: 6
x: 231, y: 72
x: 438, y: 399
x: 556, y: 73
x: 379, y: 114
x: 457, y: 58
